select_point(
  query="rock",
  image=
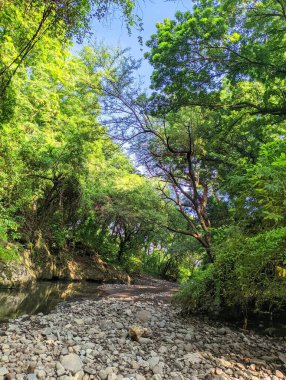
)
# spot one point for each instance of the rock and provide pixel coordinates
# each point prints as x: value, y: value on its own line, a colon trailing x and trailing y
x: 279, y: 374
x: 92, y: 334
x: 79, y: 321
x: 60, y: 369
x: 222, y: 331
x: 282, y: 357
x: 112, y: 376
x: 31, y: 376
x: 218, y: 371
x: 8, y: 377
x: 143, y: 316
x: 144, y: 340
x: 137, y: 331
x: 163, y: 349
x: 3, y: 371
x: 189, y: 337
x: 139, y: 377
x: 118, y: 325
x: 31, y: 367
x: 189, y: 347
x: 258, y: 362
x: 158, y: 369
x: 225, y: 363
x: 47, y: 331
x: 72, y: 362
x: 41, y: 374
x: 153, y: 361
x: 104, y: 373
x: 193, y: 358
x: 176, y: 376
x: 135, y: 365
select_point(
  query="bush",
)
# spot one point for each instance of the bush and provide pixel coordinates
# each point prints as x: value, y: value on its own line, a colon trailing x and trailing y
x: 247, y: 275
x: 197, y: 294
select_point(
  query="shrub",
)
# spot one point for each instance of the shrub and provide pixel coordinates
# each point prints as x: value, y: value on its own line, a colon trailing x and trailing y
x: 247, y: 275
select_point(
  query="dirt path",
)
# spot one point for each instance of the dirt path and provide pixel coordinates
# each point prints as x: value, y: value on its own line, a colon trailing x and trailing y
x: 144, y: 288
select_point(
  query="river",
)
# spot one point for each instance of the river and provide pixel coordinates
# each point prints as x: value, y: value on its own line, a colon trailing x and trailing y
x: 42, y: 297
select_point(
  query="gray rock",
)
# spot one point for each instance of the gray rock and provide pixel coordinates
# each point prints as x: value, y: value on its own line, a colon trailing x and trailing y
x: 104, y: 373
x: 3, y: 371
x: 153, y: 361
x: 41, y: 374
x: 72, y: 362
x: 31, y: 376
x: 143, y: 316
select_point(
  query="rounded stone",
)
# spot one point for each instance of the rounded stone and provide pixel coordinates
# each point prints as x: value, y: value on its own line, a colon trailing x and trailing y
x: 72, y: 362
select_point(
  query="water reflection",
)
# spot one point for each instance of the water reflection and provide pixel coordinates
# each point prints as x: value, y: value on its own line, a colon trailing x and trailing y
x: 42, y: 297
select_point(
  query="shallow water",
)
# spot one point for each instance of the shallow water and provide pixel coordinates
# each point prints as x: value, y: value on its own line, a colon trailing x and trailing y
x: 266, y: 326
x: 42, y: 297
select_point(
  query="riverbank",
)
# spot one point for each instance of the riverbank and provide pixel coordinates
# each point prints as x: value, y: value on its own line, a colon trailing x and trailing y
x: 91, y: 339
x: 27, y: 267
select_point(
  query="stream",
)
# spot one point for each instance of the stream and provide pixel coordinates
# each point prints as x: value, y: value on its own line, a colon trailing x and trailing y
x: 42, y: 297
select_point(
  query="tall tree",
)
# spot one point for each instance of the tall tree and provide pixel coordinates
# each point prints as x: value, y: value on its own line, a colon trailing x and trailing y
x: 170, y: 148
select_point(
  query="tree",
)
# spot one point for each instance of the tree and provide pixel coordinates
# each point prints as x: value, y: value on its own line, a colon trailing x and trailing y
x: 231, y: 45
x: 170, y: 148
x: 227, y: 58
x: 45, y: 143
x: 131, y: 209
x: 35, y: 19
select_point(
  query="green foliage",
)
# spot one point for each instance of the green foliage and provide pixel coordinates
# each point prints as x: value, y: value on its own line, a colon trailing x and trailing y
x: 197, y: 294
x: 155, y: 263
x: 215, y: 59
x: 217, y: 54
x: 24, y: 24
x: 64, y: 185
x: 267, y: 181
x: 212, y: 136
x: 9, y: 252
x: 245, y: 275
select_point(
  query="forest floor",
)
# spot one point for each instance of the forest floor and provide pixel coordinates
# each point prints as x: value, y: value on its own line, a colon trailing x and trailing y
x: 134, y: 333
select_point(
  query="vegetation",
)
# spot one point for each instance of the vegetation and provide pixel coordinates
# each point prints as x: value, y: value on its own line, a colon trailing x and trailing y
x: 64, y: 184
x: 206, y: 204
x: 229, y: 64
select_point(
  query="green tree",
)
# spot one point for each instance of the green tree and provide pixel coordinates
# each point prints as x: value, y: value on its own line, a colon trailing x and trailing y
x: 232, y: 45
x: 228, y: 59
x: 25, y: 23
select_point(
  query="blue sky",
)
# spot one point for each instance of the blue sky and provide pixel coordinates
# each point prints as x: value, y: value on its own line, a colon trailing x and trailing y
x: 113, y: 32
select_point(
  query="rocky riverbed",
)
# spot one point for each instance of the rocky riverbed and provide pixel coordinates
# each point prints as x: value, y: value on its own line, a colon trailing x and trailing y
x: 138, y: 336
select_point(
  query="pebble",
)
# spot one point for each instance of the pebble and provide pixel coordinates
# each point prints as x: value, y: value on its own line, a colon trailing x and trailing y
x: 72, y: 362
x: 3, y: 371
x: 114, y: 339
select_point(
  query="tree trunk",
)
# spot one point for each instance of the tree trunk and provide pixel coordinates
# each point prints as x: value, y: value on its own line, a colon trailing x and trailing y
x: 209, y: 254
x: 120, y: 251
